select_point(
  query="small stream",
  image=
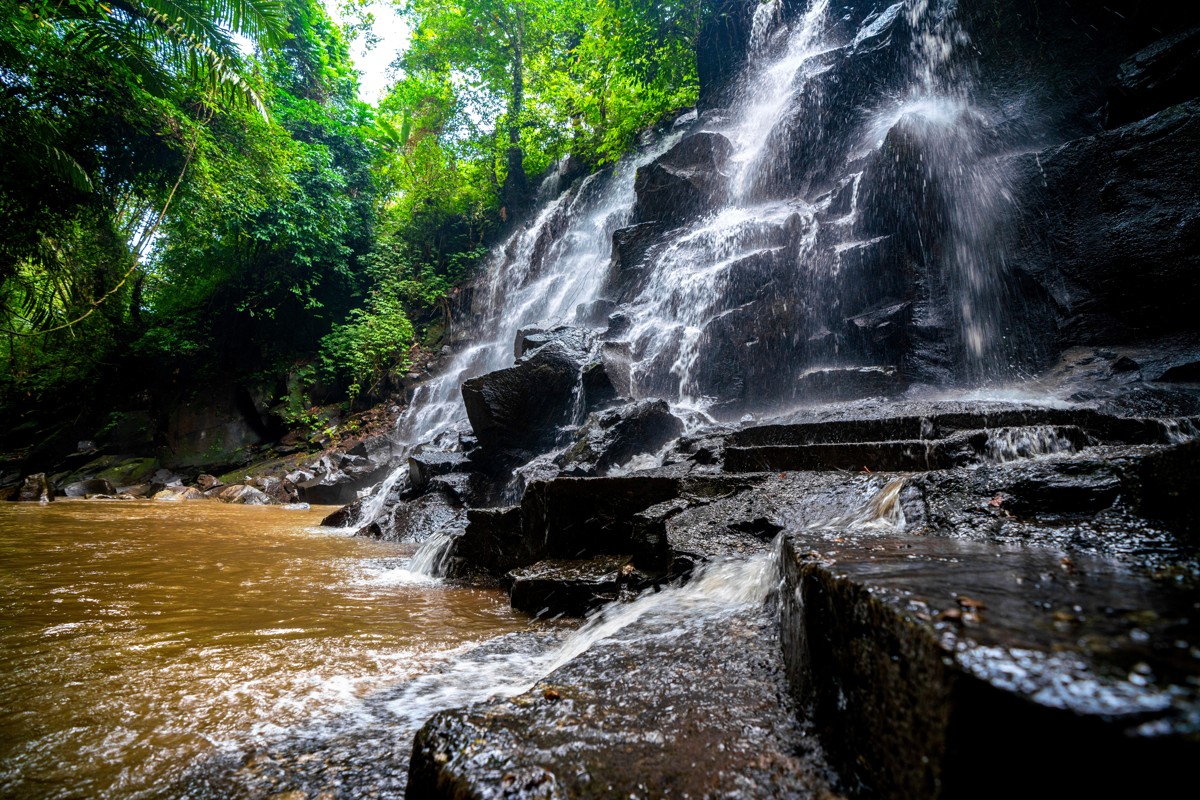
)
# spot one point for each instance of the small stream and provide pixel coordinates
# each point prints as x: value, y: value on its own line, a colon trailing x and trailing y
x: 139, y: 640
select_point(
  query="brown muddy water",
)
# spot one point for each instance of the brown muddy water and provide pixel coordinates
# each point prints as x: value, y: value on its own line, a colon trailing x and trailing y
x: 138, y: 639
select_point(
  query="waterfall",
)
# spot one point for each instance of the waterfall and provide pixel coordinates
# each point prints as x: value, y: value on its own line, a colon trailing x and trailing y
x: 541, y: 273
x: 791, y: 242
x: 836, y: 186
x: 430, y: 557
x: 881, y: 513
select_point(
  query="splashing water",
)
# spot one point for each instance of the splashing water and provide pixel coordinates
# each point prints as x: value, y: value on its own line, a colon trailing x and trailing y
x: 736, y: 310
x: 431, y: 557
x: 718, y: 588
x: 883, y: 512
x: 1014, y: 444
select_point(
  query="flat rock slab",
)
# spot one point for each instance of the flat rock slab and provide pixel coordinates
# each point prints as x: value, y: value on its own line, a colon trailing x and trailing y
x: 941, y: 420
x: 570, y: 586
x: 686, y: 704
x: 933, y: 665
x: 873, y: 456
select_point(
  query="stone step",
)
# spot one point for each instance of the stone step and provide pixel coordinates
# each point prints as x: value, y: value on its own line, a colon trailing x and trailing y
x: 899, y: 456
x: 690, y: 704
x: 911, y: 455
x: 941, y: 424
x: 571, y: 587
x: 938, y: 667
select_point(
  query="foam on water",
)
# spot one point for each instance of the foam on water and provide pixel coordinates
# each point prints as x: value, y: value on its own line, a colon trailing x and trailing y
x: 718, y: 588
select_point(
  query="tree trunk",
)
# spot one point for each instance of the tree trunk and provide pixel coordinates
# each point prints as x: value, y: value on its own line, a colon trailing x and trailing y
x: 516, y: 183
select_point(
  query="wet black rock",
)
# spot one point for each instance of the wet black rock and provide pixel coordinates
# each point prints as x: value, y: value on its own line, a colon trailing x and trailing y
x: 417, y: 519
x: 467, y: 489
x: 689, y: 178
x: 380, y: 449
x: 924, y: 680
x: 1113, y: 228
x: 581, y: 517
x: 611, y: 438
x: 571, y: 587
x: 687, y: 705
x: 427, y: 462
x: 344, y: 517
x: 1162, y: 75
x: 595, y: 314
x: 493, y: 542
x: 521, y: 407
x: 84, y: 488
x: 846, y: 383
x: 629, y: 248
x: 887, y: 456
x: 574, y: 340
x: 607, y: 379
x: 336, y: 478
x: 335, y: 488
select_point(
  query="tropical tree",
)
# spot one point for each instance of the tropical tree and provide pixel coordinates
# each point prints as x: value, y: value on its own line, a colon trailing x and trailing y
x: 100, y: 117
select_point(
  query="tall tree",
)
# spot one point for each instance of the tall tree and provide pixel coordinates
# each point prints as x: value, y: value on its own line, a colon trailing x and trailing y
x: 489, y: 44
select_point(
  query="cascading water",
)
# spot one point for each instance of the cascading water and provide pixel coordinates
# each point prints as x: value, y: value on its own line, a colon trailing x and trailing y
x: 543, y: 272
x: 779, y: 279
x: 720, y: 588
x: 852, y: 224
x: 977, y: 198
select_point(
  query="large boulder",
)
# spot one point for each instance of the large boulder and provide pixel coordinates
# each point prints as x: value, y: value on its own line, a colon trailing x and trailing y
x: 688, y: 179
x: 611, y: 438
x: 522, y: 407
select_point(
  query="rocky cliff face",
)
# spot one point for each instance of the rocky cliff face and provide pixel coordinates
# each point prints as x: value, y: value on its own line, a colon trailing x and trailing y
x: 871, y: 198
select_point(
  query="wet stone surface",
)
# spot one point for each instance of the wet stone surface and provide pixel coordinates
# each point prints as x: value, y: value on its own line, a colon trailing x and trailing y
x: 929, y: 661
x: 672, y: 706
x: 366, y: 754
x: 572, y: 586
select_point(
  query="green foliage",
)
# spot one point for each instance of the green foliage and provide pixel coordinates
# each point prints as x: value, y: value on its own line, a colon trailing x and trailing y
x: 174, y: 208
x: 554, y: 76
x: 372, y: 342
x: 375, y: 340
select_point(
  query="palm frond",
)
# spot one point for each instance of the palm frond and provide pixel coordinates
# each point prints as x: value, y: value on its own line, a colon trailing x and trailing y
x: 65, y: 167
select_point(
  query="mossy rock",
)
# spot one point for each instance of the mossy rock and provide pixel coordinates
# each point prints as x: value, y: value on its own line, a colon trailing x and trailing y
x: 130, y: 471
x: 119, y: 470
x: 277, y: 467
